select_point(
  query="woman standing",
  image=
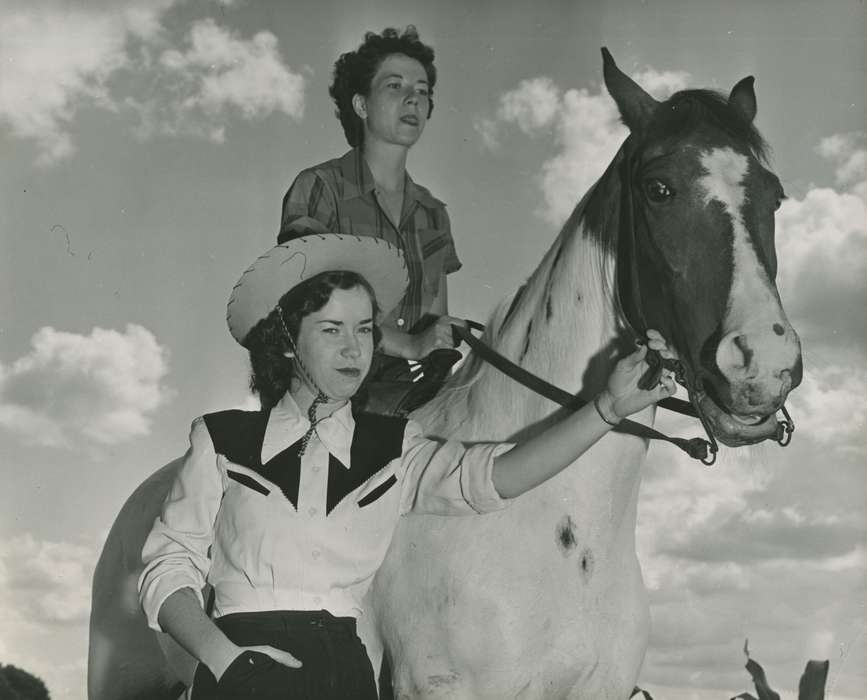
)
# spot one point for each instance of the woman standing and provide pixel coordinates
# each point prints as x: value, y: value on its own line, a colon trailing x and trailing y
x: 288, y: 511
x: 383, y: 92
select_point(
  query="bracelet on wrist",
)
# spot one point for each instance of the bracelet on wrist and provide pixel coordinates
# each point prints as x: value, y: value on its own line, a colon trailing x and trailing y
x: 599, y: 411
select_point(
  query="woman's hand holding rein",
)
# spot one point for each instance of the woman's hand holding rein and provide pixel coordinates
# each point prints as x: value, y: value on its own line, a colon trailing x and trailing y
x: 533, y: 462
x: 622, y: 397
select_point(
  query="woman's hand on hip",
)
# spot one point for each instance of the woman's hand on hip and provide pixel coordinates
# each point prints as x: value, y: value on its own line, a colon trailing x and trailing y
x: 278, y: 655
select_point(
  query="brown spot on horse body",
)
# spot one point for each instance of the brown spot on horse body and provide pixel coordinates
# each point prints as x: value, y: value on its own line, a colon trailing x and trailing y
x: 566, y: 540
x: 588, y: 564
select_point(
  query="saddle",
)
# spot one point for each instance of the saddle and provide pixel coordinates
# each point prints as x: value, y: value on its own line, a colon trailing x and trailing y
x: 400, y: 396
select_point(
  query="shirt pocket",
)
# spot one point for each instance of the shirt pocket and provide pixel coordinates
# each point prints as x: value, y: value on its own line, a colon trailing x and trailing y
x: 376, y: 489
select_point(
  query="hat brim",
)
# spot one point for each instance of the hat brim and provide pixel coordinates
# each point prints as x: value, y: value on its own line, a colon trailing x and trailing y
x: 285, y: 266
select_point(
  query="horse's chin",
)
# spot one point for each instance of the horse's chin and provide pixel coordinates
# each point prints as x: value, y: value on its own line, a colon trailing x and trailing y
x: 733, y: 430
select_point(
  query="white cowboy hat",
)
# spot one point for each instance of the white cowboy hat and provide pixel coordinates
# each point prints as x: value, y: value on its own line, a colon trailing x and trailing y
x: 284, y: 266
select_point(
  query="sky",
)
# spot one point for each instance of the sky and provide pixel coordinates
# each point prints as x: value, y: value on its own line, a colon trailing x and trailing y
x: 146, y: 146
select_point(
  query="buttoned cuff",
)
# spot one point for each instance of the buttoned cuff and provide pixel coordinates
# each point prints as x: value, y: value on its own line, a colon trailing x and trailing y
x: 477, y: 485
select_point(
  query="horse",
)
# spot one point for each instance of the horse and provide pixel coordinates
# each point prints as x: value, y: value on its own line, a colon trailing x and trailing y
x: 545, y: 598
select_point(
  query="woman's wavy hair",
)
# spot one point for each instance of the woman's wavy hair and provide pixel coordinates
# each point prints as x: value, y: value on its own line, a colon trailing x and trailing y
x: 354, y: 72
x: 271, y: 372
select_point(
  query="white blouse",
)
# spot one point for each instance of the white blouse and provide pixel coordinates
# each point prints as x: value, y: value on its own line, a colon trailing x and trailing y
x: 225, y: 524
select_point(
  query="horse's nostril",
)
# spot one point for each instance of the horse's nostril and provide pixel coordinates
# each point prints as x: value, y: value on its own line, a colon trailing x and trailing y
x: 746, y: 354
x: 785, y: 382
x: 733, y: 355
x: 778, y: 329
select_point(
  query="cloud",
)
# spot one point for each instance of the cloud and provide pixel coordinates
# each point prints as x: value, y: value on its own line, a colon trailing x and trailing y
x: 44, y: 608
x: 728, y: 553
x: 830, y: 405
x: 762, y: 535
x: 850, y: 152
x: 661, y: 84
x: 791, y: 611
x: 585, y: 125
x: 533, y: 106
x: 822, y: 249
x: 488, y: 129
x: 221, y: 73
x: 102, y: 387
x: 59, y: 57
x: 768, y: 544
x: 45, y: 582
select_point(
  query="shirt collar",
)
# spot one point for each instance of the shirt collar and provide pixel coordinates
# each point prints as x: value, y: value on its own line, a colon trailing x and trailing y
x: 357, y: 178
x: 358, y: 181
x: 287, y: 424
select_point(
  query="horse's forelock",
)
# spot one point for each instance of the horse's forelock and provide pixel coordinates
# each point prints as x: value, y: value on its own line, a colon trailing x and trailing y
x: 688, y: 110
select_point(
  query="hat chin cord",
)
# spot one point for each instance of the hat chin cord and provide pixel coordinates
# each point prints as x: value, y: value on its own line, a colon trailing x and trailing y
x: 320, y: 398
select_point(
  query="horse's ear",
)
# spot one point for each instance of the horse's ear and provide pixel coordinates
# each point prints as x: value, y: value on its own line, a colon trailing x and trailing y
x: 743, y: 98
x: 635, y: 105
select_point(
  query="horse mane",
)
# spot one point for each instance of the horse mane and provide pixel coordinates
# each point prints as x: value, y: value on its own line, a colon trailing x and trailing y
x: 687, y: 109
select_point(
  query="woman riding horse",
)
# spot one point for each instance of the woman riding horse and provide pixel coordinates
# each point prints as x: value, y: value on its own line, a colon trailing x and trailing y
x: 288, y: 512
x: 383, y: 92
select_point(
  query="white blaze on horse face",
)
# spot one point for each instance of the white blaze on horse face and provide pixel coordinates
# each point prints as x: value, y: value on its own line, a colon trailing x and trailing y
x: 751, y: 292
x: 757, y: 342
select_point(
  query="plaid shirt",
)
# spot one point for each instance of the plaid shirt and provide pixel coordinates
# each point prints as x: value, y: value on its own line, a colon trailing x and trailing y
x: 339, y: 196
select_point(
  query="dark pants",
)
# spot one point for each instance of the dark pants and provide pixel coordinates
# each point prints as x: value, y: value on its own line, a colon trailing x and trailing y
x: 335, y: 662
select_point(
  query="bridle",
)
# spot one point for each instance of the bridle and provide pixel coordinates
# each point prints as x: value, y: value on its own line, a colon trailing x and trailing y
x: 703, y: 449
x: 629, y: 301
x: 627, y: 290
x: 697, y: 448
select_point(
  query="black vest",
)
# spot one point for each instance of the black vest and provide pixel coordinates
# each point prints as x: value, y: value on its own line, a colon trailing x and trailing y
x: 238, y: 436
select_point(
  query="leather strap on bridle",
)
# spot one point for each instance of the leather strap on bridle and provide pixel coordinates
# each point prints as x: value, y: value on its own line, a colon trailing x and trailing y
x: 697, y: 448
x: 627, y: 289
x: 628, y: 294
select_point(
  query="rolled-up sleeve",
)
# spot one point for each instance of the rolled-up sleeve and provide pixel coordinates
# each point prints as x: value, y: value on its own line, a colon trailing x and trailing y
x: 448, y: 478
x: 451, y: 262
x: 308, y: 207
x: 175, y: 553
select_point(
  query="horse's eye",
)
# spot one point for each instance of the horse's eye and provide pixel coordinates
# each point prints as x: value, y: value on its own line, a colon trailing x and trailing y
x: 658, y: 191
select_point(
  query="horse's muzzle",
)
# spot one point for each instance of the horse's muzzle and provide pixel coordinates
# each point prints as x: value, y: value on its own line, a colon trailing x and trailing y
x: 734, y: 432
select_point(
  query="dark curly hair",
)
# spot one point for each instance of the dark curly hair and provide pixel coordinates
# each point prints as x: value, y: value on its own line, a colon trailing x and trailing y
x: 354, y: 72
x: 271, y: 372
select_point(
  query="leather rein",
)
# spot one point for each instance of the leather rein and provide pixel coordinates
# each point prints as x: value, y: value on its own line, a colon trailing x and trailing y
x: 697, y: 448
x: 629, y: 300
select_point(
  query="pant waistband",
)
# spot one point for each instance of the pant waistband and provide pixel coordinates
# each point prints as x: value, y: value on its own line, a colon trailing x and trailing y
x: 281, y: 619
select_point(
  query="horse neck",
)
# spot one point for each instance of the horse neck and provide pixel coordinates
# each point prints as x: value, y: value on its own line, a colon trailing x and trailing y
x: 564, y: 318
x: 559, y: 326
